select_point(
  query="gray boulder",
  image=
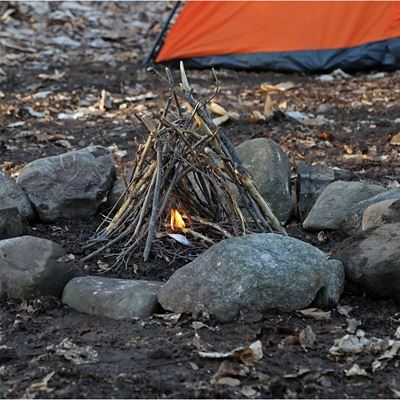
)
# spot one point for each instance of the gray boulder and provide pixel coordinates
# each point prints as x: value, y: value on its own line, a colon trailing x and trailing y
x: 384, y: 212
x: 372, y: 261
x: 12, y: 195
x: 113, y: 298
x: 71, y: 185
x: 10, y: 223
x: 259, y: 272
x: 270, y: 168
x: 352, y: 219
x: 31, y: 267
x: 327, y: 212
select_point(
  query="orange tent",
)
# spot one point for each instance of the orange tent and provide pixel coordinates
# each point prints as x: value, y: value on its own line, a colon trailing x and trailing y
x: 289, y: 36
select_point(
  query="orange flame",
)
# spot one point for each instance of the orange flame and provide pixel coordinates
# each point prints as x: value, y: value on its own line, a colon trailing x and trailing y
x: 177, y: 222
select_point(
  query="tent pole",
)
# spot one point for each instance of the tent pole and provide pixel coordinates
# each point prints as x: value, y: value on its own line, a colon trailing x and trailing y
x: 157, y: 44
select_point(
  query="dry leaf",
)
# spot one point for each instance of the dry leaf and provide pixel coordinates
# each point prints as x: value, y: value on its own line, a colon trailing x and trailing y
x: 355, y: 370
x: 268, y: 107
x: 194, y: 366
x: 397, y: 333
x: 40, y: 386
x: 348, y: 149
x: 326, y: 135
x: 77, y: 354
x: 280, y: 87
x: 353, y: 324
x: 248, y: 355
x: 307, y: 337
x: 247, y: 391
x: 300, y: 372
x: 256, y: 116
x: 53, y: 77
x: 316, y: 313
x: 228, y: 381
x: 395, y: 140
x: 217, y: 109
x: 344, y: 310
x: 232, y: 369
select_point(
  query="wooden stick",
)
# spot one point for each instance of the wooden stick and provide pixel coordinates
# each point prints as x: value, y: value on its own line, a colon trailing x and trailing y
x: 154, y: 210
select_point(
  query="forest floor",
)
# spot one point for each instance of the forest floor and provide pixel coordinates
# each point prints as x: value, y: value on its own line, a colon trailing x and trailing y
x: 49, y: 96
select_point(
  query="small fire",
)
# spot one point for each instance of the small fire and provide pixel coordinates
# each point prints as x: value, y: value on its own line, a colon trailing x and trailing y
x: 177, y: 222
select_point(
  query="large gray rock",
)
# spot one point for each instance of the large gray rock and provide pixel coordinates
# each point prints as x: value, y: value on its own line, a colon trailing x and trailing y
x: 71, y: 185
x: 12, y: 195
x: 258, y: 272
x: 384, y: 212
x: 31, y: 267
x: 352, y: 219
x: 327, y: 212
x: 10, y: 223
x: 270, y: 169
x: 113, y: 298
x: 372, y: 261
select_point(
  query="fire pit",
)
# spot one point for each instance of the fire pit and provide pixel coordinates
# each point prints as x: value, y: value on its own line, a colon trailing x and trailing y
x: 188, y: 189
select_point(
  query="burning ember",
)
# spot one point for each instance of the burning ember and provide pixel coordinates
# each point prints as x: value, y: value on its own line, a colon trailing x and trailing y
x: 177, y: 222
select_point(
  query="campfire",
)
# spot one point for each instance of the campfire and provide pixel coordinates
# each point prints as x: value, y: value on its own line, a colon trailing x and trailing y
x: 188, y: 189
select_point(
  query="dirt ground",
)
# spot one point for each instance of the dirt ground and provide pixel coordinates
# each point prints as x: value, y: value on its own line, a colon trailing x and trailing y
x: 158, y: 357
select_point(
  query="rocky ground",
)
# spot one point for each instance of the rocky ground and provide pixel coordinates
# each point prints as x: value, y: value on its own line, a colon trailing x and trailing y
x: 70, y: 77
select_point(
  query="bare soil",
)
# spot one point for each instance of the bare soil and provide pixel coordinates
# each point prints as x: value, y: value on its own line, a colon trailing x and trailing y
x: 156, y: 357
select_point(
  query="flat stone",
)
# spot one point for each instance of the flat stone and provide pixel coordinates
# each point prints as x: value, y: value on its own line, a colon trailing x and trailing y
x: 71, y: 185
x: 254, y: 273
x: 12, y: 195
x: 10, y: 223
x: 113, y: 298
x: 351, y: 222
x: 372, y: 261
x: 270, y: 168
x: 31, y: 267
x: 378, y: 214
x: 327, y: 212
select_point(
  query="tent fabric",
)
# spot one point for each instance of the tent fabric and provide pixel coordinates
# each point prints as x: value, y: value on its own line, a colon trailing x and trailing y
x: 289, y: 36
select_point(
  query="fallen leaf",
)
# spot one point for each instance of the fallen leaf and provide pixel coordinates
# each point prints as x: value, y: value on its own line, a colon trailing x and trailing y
x: 353, y: 324
x: 316, y: 313
x: 355, y: 370
x: 16, y: 124
x: 397, y: 333
x: 300, y: 372
x: 348, y: 149
x: 307, y: 337
x: 268, y: 107
x: 36, y: 114
x: 307, y: 118
x: 72, y: 352
x: 395, y: 140
x: 391, y: 352
x: 256, y: 116
x: 280, y: 87
x: 228, y: 381
x: 52, y: 77
x: 40, y: 386
x: 217, y: 109
x: 326, y: 135
x: 248, y: 355
x: 194, y: 366
x: 232, y: 369
x: 248, y: 391
x: 344, y: 310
